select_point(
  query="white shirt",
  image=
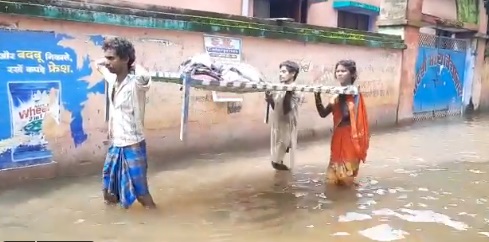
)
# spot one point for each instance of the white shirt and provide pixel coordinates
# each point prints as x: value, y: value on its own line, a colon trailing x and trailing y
x: 127, y: 105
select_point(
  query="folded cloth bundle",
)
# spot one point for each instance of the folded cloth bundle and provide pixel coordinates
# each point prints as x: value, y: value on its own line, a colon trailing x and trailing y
x: 202, y: 64
x: 205, y: 73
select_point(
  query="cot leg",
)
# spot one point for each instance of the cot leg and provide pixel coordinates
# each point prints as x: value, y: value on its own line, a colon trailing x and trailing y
x: 185, y: 106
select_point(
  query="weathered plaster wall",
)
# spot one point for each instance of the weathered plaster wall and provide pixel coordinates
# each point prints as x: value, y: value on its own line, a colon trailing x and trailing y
x: 481, y: 87
x: 211, y: 125
x: 218, y: 6
x: 446, y: 9
x: 466, y: 11
x: 322, y: 13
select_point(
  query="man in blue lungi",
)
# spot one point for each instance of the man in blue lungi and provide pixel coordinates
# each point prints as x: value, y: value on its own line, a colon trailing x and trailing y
x: 125, y: 168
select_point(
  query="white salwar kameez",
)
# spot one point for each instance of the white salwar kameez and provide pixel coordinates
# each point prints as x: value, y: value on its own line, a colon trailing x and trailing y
x: 284, y: 129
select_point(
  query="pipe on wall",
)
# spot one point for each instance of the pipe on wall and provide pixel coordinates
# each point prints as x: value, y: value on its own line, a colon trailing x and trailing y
x: 245, y: 7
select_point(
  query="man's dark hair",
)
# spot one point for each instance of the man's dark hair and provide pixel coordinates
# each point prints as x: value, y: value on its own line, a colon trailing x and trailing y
x: 291, y: 66
x: 123, y: 48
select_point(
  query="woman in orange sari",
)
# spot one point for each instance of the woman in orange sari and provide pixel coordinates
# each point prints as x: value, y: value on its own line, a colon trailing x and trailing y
x: 351, y: 135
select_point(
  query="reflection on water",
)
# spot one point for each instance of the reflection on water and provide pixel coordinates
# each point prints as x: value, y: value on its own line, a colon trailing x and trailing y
x: 422, y: 183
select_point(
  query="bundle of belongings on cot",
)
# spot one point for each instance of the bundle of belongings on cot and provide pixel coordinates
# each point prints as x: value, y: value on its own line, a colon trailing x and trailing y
x: 203, y: 72
x: 202, y: 68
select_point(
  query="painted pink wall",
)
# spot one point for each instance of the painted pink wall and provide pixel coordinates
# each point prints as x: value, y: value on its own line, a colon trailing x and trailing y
x: 218, y: 6
x: 371, y: 2
x: 323, y: 13
x: 482, y: 18
x: 445, y: 9
x: 480, y: 86
x: 320, y: 14
x: 209, y: 124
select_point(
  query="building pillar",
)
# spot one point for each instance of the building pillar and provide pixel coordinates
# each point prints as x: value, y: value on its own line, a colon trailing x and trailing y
x: 480, y: 89
x: 404, y: 18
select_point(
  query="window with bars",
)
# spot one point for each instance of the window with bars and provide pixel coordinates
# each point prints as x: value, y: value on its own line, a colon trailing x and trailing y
x: 294, y: 9
x: 349, y: 20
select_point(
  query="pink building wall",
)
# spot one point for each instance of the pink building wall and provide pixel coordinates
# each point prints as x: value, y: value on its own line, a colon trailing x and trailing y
x: 218, y: 6
x: 446, y: 9
x: 320, y: 13
x: 323, y: 13
x: 480, y: 88
x: 210, y: 125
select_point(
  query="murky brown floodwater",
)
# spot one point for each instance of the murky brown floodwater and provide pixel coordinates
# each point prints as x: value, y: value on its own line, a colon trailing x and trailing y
x: 428, y: 183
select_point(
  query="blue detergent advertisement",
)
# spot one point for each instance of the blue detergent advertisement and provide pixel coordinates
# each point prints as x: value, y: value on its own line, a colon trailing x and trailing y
x: 41, y: 76
x: 30, y: 104
x: 30, y: 95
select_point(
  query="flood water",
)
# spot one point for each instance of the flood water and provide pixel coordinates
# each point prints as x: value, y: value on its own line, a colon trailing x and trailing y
x: 427, y: 182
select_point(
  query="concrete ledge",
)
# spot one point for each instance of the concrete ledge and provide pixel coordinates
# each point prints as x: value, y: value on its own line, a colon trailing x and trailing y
x: 481, y: 36
x: 449, y: 23
x: 157, y: 17
x: 11, y: 177
x: 428, y: 20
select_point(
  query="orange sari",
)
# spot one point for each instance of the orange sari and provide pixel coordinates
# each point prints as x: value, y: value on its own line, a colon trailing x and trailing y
x: 349, y: 143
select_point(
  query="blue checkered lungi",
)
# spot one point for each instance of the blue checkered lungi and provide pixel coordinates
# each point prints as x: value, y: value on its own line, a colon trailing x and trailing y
x: 125, y: 173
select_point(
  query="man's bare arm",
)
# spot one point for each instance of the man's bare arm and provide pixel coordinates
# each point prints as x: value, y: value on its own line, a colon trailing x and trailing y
x: 100, y: 66
x: 143, y: 78
x: 269, y: 99
x: 288, y: 102
x: 102, y: 69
